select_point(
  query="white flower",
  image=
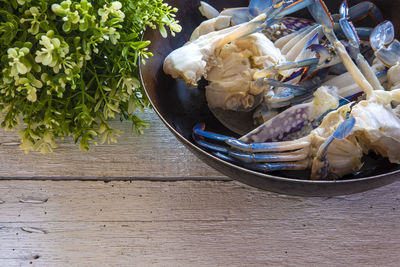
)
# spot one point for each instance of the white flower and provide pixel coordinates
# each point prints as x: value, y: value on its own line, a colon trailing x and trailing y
x: 18, y: 63
x: 52, y: 52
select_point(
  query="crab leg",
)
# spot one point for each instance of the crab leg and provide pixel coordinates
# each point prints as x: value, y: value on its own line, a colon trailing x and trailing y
x: 266, y: 167
x: 354, y: 41
x: 292, y: 155
x: 270, y: 152
x: 304, y: 59
x: 273, y: 156
x: 289, y: 155
x: 321, y: 14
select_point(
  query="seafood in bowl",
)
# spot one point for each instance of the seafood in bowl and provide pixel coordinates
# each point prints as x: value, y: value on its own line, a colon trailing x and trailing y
x: 256, y: 60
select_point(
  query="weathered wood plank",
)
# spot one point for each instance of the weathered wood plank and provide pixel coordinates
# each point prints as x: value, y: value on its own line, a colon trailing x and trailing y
x: 193, y: 223
x: 157, y: 155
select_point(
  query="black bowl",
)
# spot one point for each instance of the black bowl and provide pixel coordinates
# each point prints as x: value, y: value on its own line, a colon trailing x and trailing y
x: 180, y: 108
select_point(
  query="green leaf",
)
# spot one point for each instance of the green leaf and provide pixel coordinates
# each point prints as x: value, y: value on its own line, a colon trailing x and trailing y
x: 64, y: 81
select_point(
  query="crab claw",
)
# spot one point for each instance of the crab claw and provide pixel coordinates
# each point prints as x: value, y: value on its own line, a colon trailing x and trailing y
x: 320, y: 165
x: 291, y: 155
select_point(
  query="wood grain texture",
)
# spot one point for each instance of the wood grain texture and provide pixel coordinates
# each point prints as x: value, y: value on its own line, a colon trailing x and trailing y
x: 193, y: 223
x: 156, y: 155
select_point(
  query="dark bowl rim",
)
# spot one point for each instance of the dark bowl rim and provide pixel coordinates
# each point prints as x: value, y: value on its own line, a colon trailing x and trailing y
x: 239, y: 168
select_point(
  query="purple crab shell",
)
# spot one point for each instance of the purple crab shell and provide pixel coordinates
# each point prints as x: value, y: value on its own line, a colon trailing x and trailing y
x: 291, y: 121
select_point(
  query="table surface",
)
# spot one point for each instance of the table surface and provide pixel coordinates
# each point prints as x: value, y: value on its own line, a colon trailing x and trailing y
x: 148, y: 201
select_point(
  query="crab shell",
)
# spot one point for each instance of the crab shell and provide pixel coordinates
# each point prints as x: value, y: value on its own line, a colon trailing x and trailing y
x: 378, y: 128
x: 231, y: 79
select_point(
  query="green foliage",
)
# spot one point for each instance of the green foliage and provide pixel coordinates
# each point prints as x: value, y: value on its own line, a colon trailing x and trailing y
x: 70, y: 66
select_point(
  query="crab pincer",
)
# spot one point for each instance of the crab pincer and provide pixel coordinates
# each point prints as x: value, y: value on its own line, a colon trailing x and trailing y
x: 320, y: 166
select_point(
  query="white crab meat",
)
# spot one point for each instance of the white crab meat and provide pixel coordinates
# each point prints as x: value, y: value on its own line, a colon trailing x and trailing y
x: 345, y: 82
x: 231, y: 83
x: 378, y: 129
x: 195, y: 58
x: 344, y: 156
x: 394, y: 77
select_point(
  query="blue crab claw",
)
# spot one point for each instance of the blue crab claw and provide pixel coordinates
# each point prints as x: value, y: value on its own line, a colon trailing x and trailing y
x: 231, y: 145
x: 382, y: 35
x: 264, y: 167
x: 311, y: 63
x: 272, y: 156
x: 291, y: 6
x: 320, y: 168
x: 360, y: 11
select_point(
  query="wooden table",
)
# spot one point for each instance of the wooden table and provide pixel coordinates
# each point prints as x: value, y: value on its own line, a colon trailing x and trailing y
x: 148, y: 201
